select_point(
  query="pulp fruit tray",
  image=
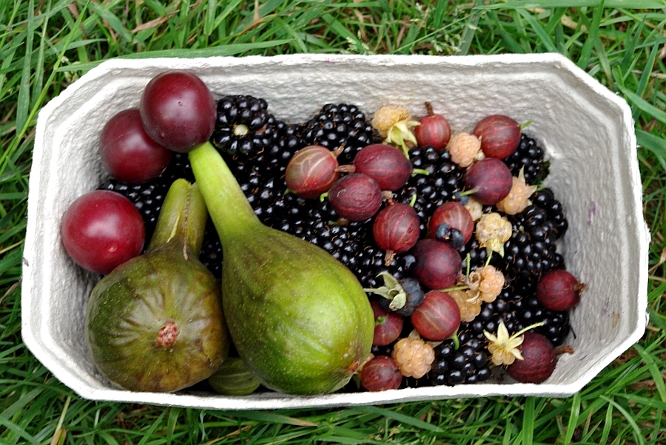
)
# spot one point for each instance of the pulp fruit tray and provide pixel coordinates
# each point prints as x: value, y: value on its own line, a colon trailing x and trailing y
x: 586, y: 130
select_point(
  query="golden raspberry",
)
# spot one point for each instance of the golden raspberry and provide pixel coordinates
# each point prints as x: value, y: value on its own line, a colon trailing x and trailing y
x: 413, y: 356
x: 468, y: 303
x: 492, y: 231
x: 464, y: 149
x: 475, y: 208
x: 488, y: 281
x: 518, y: 198
x: 386, y: 117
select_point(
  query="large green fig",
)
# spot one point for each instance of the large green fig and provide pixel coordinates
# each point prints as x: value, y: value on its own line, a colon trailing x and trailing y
x: 156, y: 323
x: 299, y: 318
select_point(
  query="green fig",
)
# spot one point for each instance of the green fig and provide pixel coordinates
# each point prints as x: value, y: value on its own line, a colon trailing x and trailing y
x: 155, y: 323
x: 233, y: 378
x: 299, y: 318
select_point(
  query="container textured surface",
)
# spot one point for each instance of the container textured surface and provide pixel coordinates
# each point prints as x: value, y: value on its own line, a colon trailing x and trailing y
x: 586, y: 130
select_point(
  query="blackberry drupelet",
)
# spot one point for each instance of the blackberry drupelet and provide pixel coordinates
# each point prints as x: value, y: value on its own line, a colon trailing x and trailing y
x: 243, y: 125
x: 468, y: 363
x: 442, y: 183
x: 530, y: 157
x: 339, y: 125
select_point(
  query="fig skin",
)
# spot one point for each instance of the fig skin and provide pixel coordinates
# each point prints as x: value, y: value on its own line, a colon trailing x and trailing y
x: 299, y: 319
x: 123, y: 325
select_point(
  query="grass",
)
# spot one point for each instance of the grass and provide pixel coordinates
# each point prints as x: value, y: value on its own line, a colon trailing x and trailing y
x: 45, y: 45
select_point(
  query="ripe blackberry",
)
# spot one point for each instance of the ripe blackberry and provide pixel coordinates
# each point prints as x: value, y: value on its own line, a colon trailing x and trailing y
x: 211, y: 250
x: 443, y: 181
x: 149, y: 196
x: 531, y: 250
x: 243, y: 125
x: 339, y: 125
x: 468, y: 363
x: 530, y: 157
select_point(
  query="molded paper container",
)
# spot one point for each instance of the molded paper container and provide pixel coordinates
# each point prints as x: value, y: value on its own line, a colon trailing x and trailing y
x: 586, y: 130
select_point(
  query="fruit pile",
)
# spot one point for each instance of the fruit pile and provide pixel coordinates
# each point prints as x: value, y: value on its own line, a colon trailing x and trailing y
x: 450, y: 234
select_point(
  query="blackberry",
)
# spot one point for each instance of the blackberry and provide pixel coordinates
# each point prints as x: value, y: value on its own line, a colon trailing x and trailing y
x: 243, y: 125
x: 531, y: 250
x: 339, y: 125
x: 211, y: 250
x: 529, y: 156
x: 443, y: 182
x: 467, y: 363
x: 149, y: 196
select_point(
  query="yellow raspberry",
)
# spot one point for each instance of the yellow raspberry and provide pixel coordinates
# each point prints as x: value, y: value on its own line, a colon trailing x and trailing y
x: 386, y: 117
x: 492, y: 231
x: 490, y: 283
x: 475, y: 208
x: 518, y: 198
x: 413, y: 356
x: 468, y: 303
x: 464, y: 149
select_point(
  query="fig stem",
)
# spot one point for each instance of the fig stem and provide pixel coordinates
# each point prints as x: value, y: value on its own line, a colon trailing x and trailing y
x: 182, y: 220
x: 229, y: 209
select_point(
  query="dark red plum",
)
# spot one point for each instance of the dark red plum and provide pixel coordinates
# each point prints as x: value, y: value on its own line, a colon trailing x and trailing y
x: 101, y: 230
x: 178, y: 110
x: 128, y: 153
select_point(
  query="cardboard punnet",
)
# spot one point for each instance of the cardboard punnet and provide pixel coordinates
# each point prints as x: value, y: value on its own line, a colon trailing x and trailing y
x: 586, y: 130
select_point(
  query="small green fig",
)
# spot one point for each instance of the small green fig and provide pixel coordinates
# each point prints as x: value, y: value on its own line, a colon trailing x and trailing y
x: 233, y: 378
x: 156, y: 323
